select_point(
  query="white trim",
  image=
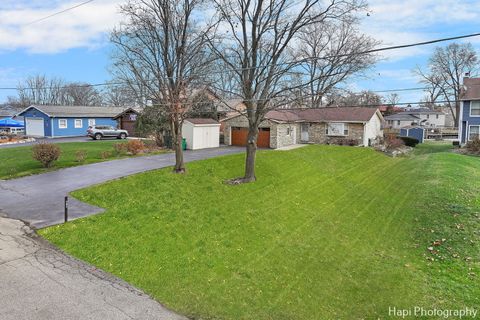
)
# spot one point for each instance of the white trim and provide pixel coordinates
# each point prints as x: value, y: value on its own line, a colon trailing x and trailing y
x: 75, y: 123
x: 470, y: 111
x: 33, y: 106
x: 460, y: 122
x: 344, y: 127
x: 53, y: 128
x: 63, y: 127
x: 365, y: 139
x: 90, y: 124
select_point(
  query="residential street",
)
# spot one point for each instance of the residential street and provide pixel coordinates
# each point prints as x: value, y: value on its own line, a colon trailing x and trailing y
x: 37, y: 281
x: 39, y: 199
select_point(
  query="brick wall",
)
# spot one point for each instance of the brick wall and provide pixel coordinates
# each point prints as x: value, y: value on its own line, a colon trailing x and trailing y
x: 317, y: 133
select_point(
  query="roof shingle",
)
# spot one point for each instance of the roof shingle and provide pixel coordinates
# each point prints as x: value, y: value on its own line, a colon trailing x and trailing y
x: 76, y: 111
x: 471, y: 89
x: 202, y: 121
x: 328, y: 114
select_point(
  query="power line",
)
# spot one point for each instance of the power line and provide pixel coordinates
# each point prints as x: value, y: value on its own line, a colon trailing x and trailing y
x: 257, y: 67
x: 399, y: 90
x: 57, y: 13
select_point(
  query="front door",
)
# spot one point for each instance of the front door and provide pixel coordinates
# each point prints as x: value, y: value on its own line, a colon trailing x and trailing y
x: 304, y: 134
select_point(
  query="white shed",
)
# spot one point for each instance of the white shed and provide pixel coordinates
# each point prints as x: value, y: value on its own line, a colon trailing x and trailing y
x: 201, y: 133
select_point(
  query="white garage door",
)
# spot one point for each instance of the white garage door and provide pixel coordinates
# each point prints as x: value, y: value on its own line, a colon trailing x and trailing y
x: 34, y: 127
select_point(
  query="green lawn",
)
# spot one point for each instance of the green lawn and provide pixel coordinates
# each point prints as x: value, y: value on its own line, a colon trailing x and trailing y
x: 326, y: 232
x: 17, y: 162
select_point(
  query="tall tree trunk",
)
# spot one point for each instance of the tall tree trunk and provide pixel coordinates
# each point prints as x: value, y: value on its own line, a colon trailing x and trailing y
x: 177, y: 143
x: 251, y: 153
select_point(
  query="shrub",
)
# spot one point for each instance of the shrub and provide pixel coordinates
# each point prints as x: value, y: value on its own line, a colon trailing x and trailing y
x: 46, y: 153
x: 345, y: 142
x: 409, y: 141
x: 106, y: 154
x: 393, y: 143
x: 120, y: 148
x: 474, y: 146
x: 80, y: 155
x: 135, y: 146
x: 151, y: 145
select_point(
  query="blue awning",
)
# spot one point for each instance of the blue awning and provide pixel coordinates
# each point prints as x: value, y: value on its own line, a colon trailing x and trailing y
x: 10, y: 123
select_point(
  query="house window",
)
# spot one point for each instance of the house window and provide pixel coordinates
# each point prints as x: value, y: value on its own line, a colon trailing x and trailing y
x: 428, y: 116
x: 78, y: 123
x: 398, y: 122
x: 289, y: 131
x: 91, y: 122
x: 62, y: 123
x: 337, y: 129
x: 474, y: 132
x: 437, y: 116
x: 475, y: 108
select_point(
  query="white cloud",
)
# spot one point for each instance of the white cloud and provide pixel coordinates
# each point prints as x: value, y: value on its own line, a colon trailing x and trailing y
x: 86, y: 26
x: 410, y: 21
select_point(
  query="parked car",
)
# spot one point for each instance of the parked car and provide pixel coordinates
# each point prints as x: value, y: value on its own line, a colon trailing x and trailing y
x: 99, y: 132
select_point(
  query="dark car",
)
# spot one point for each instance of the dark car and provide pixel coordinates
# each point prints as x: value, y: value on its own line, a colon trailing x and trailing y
x: 99, y: 132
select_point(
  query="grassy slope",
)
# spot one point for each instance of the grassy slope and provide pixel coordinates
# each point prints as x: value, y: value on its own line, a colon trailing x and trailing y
x: 325, y: 232
x: 17, y: 162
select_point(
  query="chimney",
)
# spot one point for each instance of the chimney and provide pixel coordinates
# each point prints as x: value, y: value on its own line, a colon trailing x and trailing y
x: 465, y: 78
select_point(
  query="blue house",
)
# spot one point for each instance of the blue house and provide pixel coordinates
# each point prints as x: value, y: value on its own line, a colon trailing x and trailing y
x: 66, y: 121
x: 469, y: 117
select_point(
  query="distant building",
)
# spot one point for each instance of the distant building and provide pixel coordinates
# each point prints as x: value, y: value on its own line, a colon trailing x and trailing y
x: 67, y: 121
x: 422, y: 117
x: 389, y: 110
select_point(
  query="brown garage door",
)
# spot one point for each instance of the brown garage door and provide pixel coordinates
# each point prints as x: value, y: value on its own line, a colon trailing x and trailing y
x: 239, y: 137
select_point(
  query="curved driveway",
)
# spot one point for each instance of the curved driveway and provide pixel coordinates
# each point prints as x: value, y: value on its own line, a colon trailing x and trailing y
x: 38, y: 281
x: 39, y: 199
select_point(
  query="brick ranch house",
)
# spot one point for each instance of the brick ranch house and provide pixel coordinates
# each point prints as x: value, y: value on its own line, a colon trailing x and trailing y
x: 332, y: 125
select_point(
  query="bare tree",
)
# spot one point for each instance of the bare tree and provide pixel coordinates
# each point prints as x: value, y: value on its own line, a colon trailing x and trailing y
x: 41, y: 90
x: 392, y: 99
x: 446, y: 68
x: 346, y: 98
x: 253, y: 41
x: 120, y: 94
x: 160, y: 49
x: 333, y: 52
x: 80, y: 94
x: 433, y: 86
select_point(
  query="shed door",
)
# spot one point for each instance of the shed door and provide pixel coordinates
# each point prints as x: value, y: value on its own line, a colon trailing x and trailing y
x: 129, y: 126
x: 263, y: 140
x: 304, y: 133
x: 239, y: 137
x: 34, y: 127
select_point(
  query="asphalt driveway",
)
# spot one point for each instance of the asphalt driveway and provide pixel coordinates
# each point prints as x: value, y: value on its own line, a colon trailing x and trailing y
x: 39, y: 199
x: 37, y: 281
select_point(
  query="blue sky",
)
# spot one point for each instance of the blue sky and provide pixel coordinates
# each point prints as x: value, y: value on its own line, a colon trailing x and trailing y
x: 75, y: 45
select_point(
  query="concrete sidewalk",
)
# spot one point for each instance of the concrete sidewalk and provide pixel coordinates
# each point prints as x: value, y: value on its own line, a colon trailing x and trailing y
x: 39, y: 199
x: 37, y: 281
